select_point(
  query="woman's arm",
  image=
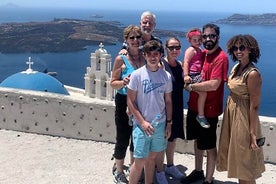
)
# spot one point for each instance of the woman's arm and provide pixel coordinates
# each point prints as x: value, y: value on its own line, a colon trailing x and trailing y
x: 254, y: 83
x: 168, y: 103
x: 116, y: 82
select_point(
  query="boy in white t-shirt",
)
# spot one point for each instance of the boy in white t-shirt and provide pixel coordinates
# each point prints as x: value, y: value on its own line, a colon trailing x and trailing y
x: 149, y: 97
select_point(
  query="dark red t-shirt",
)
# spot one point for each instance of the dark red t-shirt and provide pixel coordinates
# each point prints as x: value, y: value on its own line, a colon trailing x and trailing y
x: 215, y: 66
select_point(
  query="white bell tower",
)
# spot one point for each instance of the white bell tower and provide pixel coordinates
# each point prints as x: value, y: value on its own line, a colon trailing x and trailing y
x: 97, y: 76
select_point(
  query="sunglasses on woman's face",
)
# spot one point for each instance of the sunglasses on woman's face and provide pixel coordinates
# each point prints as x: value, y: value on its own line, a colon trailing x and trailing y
x: 240, y: 48
x: 171, y: 48
x: 135, y: 37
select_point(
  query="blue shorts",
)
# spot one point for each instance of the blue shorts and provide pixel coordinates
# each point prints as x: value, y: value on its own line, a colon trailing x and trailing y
x: 144, y: 144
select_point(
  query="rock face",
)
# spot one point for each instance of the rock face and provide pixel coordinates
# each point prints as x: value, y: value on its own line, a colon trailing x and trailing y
x: 268, y: 19
x: 62, y: 35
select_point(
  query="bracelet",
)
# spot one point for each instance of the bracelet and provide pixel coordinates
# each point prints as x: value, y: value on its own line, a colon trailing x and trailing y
x: 169, y: 121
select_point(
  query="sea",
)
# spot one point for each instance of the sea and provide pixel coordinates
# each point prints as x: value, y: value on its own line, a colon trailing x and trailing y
x: 71, y: 67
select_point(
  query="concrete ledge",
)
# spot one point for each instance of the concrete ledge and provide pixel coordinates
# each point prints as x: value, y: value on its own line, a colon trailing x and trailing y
x: 80, y: 117
x: 73, y: 116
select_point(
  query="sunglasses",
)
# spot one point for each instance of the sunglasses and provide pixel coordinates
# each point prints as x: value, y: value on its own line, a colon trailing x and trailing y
x: 135, y: 37
x: 211, y: 36
x: 171, y: 48
x: 241, y: 48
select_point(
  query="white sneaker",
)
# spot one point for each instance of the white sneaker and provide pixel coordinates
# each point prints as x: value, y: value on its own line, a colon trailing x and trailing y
x: 174, y: 172
x: 161, y: 177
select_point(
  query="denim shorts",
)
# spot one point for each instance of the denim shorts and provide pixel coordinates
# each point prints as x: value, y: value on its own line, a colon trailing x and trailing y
x: 144, y: 144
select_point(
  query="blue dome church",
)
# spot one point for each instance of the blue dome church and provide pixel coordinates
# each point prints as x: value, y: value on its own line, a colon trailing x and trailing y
x: 34, y: 80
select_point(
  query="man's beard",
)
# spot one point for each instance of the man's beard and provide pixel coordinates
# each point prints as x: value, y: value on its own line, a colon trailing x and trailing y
x: 210, y: 44
x: 147, y: 32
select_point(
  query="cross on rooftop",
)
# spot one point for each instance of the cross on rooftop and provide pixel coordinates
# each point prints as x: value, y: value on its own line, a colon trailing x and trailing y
x: 30, y: 63
x: 101, y: 45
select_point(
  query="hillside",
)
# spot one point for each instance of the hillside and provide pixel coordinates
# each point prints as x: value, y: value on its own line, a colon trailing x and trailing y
x: 268, y: 19
x: 62, y: 35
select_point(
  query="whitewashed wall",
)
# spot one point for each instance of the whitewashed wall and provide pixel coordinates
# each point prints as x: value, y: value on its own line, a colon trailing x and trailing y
x: 78, y: 116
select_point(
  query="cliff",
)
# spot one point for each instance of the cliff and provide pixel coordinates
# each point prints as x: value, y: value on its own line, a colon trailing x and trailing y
x: 62, y: 35
x: 268, y: 19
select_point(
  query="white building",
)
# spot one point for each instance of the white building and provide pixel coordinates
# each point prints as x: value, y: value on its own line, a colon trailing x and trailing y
x: 97, y: 77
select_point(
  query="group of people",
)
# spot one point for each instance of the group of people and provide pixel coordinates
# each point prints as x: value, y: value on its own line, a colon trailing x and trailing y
x: 150, y: 80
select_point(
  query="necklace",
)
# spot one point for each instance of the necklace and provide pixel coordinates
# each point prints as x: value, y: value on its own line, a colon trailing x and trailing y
x: 136, y: 60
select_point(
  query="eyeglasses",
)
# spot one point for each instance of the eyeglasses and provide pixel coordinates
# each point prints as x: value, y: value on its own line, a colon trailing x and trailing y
x: 241, y: 48
x: 171, y: 48
x: 135, y: 37
x: 211, y: 36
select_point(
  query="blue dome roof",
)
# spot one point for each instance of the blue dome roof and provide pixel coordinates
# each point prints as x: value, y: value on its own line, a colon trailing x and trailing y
x: 33, y: 80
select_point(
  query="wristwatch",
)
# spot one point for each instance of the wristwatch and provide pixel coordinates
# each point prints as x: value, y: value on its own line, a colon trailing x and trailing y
x: 190, y: 87
x: 169, y: 121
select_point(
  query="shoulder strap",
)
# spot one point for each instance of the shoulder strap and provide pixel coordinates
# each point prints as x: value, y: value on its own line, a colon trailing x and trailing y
x: 126, y: 61
x: 233, y: 70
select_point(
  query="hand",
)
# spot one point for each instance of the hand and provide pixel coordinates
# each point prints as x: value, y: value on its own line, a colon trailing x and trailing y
x: 253, y: 142
x: 126, y: 80
x: 148, y: 129
x: 123, y: 52
x: 188, y: 87
x: 168, y: 131
x: 187, y: 79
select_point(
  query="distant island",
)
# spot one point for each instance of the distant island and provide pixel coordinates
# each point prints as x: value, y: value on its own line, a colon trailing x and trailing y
x: 268, y: 19
x: 97, y: 16
x: 63, y: 35
x: 69, y: 35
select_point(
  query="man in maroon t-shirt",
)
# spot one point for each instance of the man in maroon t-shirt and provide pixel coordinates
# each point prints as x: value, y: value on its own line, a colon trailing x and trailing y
x: 214, y: 72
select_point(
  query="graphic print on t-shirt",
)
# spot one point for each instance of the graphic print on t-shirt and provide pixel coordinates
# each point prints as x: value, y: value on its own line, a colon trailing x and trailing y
x: 149, y: 86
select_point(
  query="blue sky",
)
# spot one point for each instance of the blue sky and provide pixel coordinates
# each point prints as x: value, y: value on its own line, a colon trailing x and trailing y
x: 232, y: 6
